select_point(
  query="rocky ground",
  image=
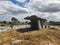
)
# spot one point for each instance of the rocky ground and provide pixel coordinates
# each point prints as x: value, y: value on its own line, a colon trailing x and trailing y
x: 37, y: 37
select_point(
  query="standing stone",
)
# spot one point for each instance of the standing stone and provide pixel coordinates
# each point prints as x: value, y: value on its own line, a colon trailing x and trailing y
x: 36, y: 22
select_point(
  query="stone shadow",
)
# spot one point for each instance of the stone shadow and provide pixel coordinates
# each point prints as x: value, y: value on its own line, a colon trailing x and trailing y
x: 22, y: 30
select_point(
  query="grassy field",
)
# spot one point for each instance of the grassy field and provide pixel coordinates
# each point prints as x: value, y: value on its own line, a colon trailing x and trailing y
x: 37, y: 37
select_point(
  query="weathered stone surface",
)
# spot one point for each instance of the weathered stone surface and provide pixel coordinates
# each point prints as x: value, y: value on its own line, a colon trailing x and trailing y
x: 35, y: 24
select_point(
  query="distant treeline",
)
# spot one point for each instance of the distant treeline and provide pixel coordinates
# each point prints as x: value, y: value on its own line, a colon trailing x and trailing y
x: 14, y: 21
x: 54, y: 23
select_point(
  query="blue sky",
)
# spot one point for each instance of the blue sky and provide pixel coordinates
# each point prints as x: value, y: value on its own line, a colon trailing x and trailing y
x: 48, y: 9
x: 22, y: 4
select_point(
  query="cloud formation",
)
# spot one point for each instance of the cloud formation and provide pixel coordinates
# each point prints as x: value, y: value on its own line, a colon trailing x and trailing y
x: 10, y: 9
x: 48, y: 9
x: 20, y: 0
x: 42, y: 7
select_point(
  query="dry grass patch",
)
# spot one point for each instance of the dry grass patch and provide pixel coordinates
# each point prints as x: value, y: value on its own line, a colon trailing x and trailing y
x: 37, y: 37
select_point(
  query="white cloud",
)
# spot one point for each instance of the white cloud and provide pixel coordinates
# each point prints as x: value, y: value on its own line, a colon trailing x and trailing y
x: 49, y: 9
x: 6, y: 17
x: 8, y: 8
x: 45, y: 6
x: 20, y: 0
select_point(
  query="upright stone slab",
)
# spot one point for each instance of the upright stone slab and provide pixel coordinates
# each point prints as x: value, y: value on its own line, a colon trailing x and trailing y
x: 34, y: 24
x: 39, y: 24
